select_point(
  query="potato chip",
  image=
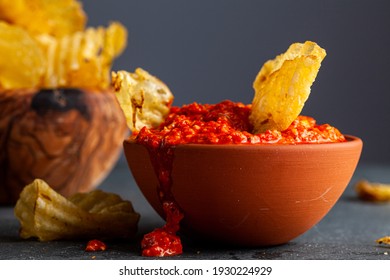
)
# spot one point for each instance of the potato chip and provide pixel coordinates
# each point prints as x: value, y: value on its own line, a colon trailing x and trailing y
x: 384, y: 240
x: 23, y: 62
x: 45, y: 214
x: 56, y: 18
x: 375, y: 192
x: 144, y: 99
x: 83, y: 59
x: 283, y: 85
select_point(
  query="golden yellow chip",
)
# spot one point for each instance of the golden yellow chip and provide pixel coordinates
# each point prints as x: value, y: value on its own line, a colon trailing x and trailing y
x: 384, y: 240
x: 45, y: 214
x: 23, y: 63
x: 375, y: 192
x: 144, y: 99
x: 82, y: 59
x: 115, y: 40
x: 283, y: 85
x: 52, y: 17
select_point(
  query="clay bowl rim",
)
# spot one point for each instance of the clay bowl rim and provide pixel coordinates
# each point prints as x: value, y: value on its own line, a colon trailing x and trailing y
x: 351, y: 140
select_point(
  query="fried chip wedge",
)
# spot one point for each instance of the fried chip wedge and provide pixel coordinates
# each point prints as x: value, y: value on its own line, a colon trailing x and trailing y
x: 57, y: 18
x: 144, y: 99
x: 23, y: 62
x: 84, y: 58
x: 375, y: 192
x: 45, y: 214
x: 283, y: 85
x: 383, y: 240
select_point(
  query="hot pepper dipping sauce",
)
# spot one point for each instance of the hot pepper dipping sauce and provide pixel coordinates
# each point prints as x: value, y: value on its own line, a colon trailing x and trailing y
x: 95, y: 245
x: 223, y: 123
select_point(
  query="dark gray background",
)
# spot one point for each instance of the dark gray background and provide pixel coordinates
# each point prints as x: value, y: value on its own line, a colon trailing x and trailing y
x: 211, y: 50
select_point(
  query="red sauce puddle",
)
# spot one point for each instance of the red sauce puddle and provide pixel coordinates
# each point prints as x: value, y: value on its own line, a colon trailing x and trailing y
x: 95, y: 245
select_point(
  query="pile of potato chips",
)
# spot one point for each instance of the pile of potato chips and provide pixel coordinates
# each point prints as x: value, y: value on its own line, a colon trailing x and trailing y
x: 47, y: 45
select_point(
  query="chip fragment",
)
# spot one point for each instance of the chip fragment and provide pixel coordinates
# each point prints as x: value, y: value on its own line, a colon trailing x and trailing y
x: 283, y: 85
x: 383, y: 240
x: 57, y: 18
x: 23, y: 62
x: 144, y: 99
x: 375, y: 192
x: 45, y: 214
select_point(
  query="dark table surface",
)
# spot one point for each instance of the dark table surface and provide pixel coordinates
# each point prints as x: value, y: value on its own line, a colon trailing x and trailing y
x: 348, y: 232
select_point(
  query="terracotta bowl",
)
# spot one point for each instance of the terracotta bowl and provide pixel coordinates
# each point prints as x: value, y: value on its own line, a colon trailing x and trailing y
x: 71, y: 138
x: 251, y: 195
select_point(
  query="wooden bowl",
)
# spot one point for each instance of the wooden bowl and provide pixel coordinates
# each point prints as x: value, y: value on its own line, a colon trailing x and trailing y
x: 70, y: 138
x: 251, y: 195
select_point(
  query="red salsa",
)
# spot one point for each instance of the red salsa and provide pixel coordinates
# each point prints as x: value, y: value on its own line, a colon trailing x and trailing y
x: 223, y: 123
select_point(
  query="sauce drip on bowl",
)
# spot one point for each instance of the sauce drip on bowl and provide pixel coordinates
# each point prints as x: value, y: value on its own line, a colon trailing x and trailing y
x: 163, y: 241
x: 223, y: 123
